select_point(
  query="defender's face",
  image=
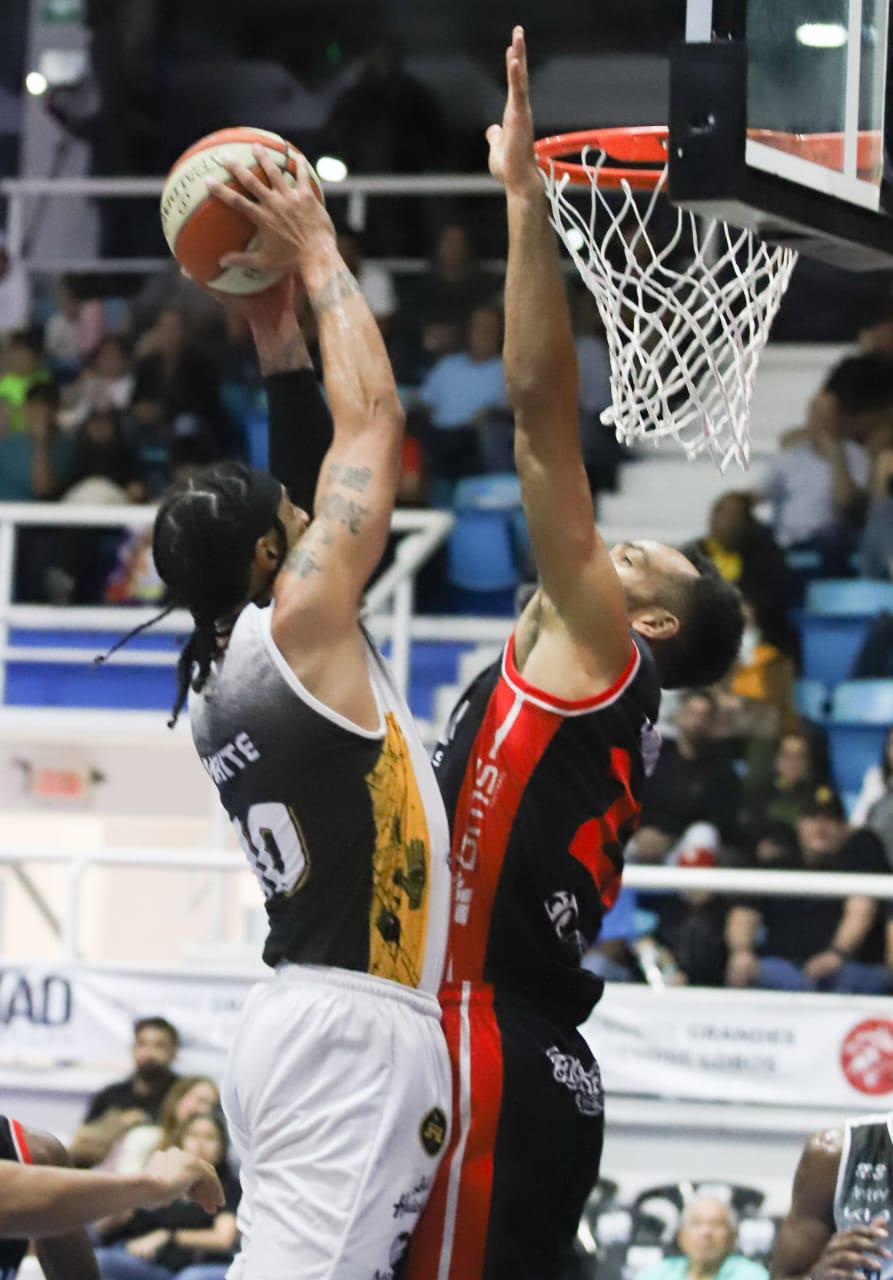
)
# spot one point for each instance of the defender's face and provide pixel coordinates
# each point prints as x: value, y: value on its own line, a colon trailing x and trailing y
x: 643, y: 568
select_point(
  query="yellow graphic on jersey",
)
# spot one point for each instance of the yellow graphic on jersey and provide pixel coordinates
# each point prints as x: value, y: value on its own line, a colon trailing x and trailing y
x: 398, y: 916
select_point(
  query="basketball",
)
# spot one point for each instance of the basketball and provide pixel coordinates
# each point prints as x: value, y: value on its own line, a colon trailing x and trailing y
x: 200, y: 229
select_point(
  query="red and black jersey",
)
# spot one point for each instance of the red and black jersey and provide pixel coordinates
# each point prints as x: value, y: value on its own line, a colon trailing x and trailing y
x: 13, y: 1146
x: 542, y: 796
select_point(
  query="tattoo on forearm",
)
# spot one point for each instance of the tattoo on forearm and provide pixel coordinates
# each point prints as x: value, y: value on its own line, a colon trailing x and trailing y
x: 341, y: 286
x: 356, y: 478
x: 343, y: 510
x: 302, y: 561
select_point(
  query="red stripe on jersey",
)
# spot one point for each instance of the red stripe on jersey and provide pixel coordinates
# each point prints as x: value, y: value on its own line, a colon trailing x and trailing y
x: 611, y: 694
x: 589, y: 844
x: 20, y: 1142
x: 510, y: 743
x: 450, y: 1241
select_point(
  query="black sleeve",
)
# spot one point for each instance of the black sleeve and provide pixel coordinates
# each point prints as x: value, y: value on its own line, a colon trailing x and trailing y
x: 300, y: 432
x: 100, y: 1104
x: 864, y: 852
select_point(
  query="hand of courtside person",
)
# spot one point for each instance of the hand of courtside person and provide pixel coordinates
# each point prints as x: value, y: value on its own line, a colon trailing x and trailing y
x: 292, y: 221
x: 175, y: 1173
x: 850, y: 1251
x: 512, y: 158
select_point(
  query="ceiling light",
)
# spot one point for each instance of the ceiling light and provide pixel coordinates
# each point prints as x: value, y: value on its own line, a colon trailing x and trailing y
x: 822, y: 35
x: 331, y: 169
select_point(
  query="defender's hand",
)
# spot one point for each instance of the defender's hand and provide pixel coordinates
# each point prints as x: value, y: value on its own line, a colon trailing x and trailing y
x: 293, y: 223
x: 850, y: 1251
x: 512, y: 158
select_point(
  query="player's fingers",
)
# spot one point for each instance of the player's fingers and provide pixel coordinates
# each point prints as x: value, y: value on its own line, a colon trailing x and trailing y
x: 493, y: 134
x: 248, y: 180
x: 235, y: 200
x: 519, y: 46
x: 252, y: 261
x: 853, y: 1260
x: 517, y: 91
x: 270, y: 168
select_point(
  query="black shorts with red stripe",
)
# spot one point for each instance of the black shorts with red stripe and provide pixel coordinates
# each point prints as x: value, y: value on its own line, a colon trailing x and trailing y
x: 525, y: 1146
x: 13, y: 1146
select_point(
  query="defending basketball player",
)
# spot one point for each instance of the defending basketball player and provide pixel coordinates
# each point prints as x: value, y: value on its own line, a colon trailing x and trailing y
x: 337, y: 1089
x: 542, y: 771
x: 838, y: 1225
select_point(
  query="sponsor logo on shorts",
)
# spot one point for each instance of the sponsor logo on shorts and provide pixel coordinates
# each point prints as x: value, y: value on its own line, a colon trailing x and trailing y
x: 562, y: 910
x: 586, y: 1086
x: 412, y: 1202
x: 432, y: 1131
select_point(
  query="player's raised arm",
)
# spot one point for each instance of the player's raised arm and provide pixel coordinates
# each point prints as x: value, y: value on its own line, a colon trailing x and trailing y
x: 542, y: 380
x: 324, y: 576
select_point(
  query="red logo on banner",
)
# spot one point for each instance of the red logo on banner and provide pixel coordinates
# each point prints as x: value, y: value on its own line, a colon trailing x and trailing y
x: 866, y: 1056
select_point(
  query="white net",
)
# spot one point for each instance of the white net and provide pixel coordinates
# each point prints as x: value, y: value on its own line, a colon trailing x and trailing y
x: 686, y: 319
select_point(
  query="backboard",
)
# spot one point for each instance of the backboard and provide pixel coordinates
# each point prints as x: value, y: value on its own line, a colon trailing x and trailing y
x: 781, y: 120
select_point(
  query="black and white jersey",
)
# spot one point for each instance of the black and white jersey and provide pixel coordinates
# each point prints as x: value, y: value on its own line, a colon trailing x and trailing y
x: 343, y: 826
x: 864, y: 1188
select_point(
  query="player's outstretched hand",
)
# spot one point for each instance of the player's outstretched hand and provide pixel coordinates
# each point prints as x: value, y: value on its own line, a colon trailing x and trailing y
x: 174, y: 1173
x: 292, y: 222
x: 851, y: 1251
x: 512, y: 158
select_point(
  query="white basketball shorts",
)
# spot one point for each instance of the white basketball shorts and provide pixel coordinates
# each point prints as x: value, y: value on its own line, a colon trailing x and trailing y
x: 337, y: 1094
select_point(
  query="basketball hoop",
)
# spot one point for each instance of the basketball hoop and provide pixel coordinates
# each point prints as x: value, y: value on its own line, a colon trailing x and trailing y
x: 686, y: 320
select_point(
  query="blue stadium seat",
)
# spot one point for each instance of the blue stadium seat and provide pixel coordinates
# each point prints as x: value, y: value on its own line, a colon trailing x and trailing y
x: 480, y: 556
x: 834, y: 624
x: 811, y: 699
x: 500, y: 491
x: 861, y: 715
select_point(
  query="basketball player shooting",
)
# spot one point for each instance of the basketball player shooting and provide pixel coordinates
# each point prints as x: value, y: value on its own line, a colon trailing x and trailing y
x: 337, y: 1087
x: 542, y: 772
x: 838, y: 1225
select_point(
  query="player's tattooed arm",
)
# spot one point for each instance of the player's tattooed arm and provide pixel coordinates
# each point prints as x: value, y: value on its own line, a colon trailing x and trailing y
x: 338, y: 288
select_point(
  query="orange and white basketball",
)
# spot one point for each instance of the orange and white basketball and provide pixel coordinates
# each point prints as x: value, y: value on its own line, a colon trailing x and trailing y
x: 200, y: 229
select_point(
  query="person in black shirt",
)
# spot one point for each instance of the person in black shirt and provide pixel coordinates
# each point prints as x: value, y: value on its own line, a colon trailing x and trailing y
x: 182, y: 1238
x: 816, y: 944
x: 135, y: 1100
x: 693, y: 782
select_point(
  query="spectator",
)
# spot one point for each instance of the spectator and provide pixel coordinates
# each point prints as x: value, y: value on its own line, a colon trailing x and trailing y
x: 693, y: 782
x: 707, y: 1237
x: 106, y: 384
x: 126, y: 1103
x: 15, y: 292
x: 460, y: 391
x: 791, y: 788
x: 601, y: 452
x: 376, y: 283
x: 745, y: 553
x: 185, y: 1098
x: 22, y: 370
x: 874, y: 807
x: 36, y: 462
x: 102, y: 453
x: 762, y: 681
x: 450, y: 291
x: 182, y: 1239
x: 176, y: 391
x: 816, y: 944
x: 75, y: 330
x: 817, y: 484
x: 876, y: 547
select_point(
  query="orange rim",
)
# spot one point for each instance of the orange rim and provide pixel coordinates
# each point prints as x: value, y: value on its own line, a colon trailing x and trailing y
x: 643, y: 145
x: 646, y: 147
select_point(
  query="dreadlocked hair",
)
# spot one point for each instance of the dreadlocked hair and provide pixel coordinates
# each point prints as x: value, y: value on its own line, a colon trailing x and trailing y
x: 203, y: 557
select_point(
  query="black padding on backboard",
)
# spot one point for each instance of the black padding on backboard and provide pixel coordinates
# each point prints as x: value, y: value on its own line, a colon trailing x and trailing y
x: 708, y: 119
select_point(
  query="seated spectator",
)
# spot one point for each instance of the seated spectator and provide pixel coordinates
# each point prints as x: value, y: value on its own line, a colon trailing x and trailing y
x: 874, y: 807
x: 36, y: 462
x: 181, y: 1239
x: 450, y: 291
x: 459, y: 393
x: 745, y: 553
x: 176, y: 389
x: 789, y: 791
x: 138, y: 1098
x: 75, y: 330
x: 876, y: 547
x: 817, y: 484
x: 693, y: 782
x: 184, y: 1099
x: 762, y: 680
x: 376, y: 282
x: 102, y: 452
x: 106, y: 384
x: 815, y: 944
x: 22, y: 369
x: 15, y: 292
x: 707, y: 1237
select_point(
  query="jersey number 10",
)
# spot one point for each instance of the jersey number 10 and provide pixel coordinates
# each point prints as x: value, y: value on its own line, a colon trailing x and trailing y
x: 273, y: 841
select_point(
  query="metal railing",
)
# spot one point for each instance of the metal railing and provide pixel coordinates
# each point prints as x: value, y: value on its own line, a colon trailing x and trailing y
x: 423, y: 531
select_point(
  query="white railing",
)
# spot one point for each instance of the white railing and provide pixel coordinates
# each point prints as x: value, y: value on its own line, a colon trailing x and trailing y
x: 795, y: 884
x: 357, y: 190
x: 424, y: 532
